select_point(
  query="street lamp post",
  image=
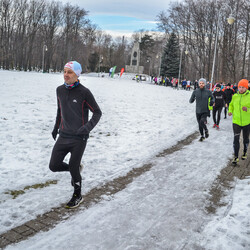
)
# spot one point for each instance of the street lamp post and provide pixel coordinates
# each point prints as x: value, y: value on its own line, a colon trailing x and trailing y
x: 159, y: 56
x: 230, y: 20
x: 179, y: 75
x: 45, y: 48
x: 149, y: 61
x: 100, y: 61
x: 139, y: 53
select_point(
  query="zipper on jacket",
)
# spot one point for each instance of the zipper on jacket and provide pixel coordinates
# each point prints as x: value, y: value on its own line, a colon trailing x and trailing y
x: 240, y: 110
x: 68, y: 94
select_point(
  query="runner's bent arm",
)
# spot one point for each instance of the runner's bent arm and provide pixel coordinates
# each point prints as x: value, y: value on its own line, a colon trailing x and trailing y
x: 97, y: 113
x: 192, y: 98
x: 58, y: 120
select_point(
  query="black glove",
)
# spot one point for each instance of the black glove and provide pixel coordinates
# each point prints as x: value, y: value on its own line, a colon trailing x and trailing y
x: 54, y: 133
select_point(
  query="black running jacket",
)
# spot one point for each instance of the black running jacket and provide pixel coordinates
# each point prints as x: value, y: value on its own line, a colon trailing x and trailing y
x: 73, y: 107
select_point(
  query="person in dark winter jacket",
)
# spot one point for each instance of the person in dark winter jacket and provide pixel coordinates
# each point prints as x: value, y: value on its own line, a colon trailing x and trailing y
x: 202, y: 95
x: 229, y: 93
x: 184, y: 84
x: 196, y: 84
x: 219, y: 103
x: 74, y: 101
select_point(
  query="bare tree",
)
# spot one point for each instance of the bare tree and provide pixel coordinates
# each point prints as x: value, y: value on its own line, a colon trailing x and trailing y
x: 245, y: 14
x: 49, y: 31
x: 73, y: 20
x: 35, y: 17
x: 26, y: 26
x: 197, y: 21
x: 7, y: 24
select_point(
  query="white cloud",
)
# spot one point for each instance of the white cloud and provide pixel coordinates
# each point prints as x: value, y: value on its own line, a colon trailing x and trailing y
x: 141, y: 9
x: 128, y: 34
x: 119, y: 16
x: 114, y: 33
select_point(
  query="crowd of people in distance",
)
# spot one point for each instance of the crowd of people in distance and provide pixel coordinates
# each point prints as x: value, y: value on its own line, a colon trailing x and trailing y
x: 236, y: 102
x: 234, y: 98
x: 172, y: 82
x: 188, y: 84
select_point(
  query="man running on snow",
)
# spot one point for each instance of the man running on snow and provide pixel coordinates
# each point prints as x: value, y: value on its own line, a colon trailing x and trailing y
x: 219, y: 103
x: 202, y: 95
x: 74, y: 101
x: 239, y: 107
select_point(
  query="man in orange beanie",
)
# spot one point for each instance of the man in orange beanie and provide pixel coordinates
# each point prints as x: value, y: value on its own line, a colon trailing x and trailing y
x: 243, y: 83
x: 239, y: 107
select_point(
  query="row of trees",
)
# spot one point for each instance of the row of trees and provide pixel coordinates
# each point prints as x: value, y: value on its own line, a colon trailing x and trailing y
x: 27, y: 27
x: 37, y: 32
x: 193, y: 24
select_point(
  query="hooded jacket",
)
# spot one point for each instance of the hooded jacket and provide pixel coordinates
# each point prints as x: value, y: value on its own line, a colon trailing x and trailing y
x: 240, y: 117
x: 202, y: 96
x: 73, y: 107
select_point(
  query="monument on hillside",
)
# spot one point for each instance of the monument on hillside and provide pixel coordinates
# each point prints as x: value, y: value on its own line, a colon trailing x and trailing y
x: 134, y: 66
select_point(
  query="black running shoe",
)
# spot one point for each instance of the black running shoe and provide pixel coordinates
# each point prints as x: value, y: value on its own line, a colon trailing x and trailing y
x: 202, y: 138
x: 206, y: 134
x: 75, y: 201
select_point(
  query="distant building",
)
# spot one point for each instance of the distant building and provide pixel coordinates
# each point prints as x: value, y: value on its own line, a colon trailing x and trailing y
x: 134, y: 66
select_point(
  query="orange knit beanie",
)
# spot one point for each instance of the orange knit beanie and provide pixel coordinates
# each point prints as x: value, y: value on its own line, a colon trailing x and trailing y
x: 243, y: 83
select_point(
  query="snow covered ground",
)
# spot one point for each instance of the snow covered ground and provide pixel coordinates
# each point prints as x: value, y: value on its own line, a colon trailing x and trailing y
x: 162, y: 209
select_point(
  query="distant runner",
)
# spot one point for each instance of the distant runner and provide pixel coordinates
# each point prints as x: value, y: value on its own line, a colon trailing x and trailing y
x: 219, y: 103
x: 202, y: 95
x: 229, y: 94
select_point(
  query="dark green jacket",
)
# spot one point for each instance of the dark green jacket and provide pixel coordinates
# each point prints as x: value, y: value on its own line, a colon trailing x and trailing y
x: 201, y: 96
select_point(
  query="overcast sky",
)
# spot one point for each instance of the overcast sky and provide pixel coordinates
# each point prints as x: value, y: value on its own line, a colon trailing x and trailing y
x: 123, y: 17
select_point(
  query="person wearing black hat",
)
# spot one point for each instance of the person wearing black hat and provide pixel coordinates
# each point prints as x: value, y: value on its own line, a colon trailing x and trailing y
x: 202, y: 96
x: 219, y: 103
x: 229, y: 93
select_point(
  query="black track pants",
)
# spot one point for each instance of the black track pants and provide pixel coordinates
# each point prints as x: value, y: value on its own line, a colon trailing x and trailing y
x: 226, y: 109
x: 237, y: 129
x: 62, y: 147
x: 202, y: 121
x: 218, y: 111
